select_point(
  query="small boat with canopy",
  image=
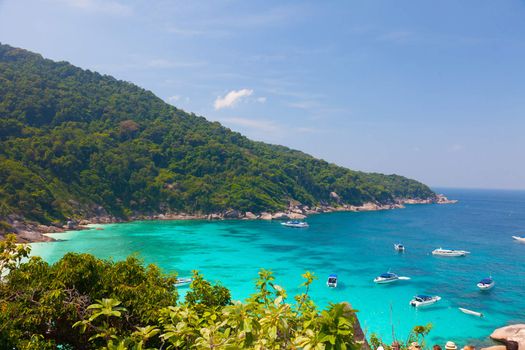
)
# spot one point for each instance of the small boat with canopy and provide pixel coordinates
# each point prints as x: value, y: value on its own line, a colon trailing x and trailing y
x: 424, y: 300
x: 486, y: 283
x: 332, y: 281
x: 389, y: 277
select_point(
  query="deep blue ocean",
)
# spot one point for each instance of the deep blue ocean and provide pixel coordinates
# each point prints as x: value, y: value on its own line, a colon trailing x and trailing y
x: 358, y: 247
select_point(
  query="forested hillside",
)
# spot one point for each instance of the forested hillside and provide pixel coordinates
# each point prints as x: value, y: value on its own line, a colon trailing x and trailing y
x: 75, y: 143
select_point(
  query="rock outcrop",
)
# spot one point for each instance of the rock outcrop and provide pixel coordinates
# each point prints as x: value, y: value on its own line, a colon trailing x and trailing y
x: 512, y: 336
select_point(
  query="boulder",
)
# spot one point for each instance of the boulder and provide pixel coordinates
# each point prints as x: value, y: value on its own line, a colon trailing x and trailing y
x: 335, y: 197
x: 266, y: 216
x: 250, y: 215
x: 495, y: 347
x: 71, y: 224
x: 280, y: 216
x: 231, y: 214
x: 296, y: 216
x: 512, y: 336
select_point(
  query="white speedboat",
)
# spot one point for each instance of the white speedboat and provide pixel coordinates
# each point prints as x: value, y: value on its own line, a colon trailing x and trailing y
x: 449, y: 252
x: 486, y: 283
x: 295, y: 224
x: 424, y: 300
x: 389, y: 277
x: 399, y: 247
x: 332, y: 281
x: 183, y: 282
x: 519, y: 239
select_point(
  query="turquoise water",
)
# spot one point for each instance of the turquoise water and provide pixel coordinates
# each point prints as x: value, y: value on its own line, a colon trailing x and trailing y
x: 358, y: 247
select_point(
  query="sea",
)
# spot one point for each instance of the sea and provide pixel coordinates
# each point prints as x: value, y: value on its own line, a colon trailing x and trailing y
x: 357, y: 246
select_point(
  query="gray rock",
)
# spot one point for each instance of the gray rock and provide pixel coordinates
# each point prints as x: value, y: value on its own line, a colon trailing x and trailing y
x: 250, y: 215
x: 511, y: 336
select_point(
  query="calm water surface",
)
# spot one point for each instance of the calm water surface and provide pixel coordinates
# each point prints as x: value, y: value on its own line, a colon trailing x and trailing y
x: 358, y: 247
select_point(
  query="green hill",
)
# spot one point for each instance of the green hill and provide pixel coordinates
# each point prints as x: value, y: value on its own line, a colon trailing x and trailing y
x: 75, y: 143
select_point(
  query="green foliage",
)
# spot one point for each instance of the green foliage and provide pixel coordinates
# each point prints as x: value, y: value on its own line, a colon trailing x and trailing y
x: 264, y: 321
x: 417, y: 335
x: 11, y: 254
x: 73, y: 141
x: 40, y: 303
x: 81, y: 302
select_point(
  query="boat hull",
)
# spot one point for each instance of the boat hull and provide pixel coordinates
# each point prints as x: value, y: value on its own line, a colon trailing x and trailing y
x: 181, y: 282
x: 384, y: 280
x: 416, y: 303
x: 295, y: 225
x: 449, y: 253
x: 483, y: 286
x: 470, y: 312
x: 519, y: 239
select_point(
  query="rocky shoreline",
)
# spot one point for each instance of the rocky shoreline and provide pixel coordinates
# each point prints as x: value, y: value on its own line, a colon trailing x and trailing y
x: 28, y: 232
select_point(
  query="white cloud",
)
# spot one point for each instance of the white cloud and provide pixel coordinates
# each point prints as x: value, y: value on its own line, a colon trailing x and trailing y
x: 173, y: 98
x: 261, y: 99
x: 308, y: 104
x: 231, y: 98
x: 177, y: 100
x: 262, y: 125
x: 101, y: 6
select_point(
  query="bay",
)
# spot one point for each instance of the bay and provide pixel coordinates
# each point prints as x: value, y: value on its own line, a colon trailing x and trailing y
x: 358, y: 247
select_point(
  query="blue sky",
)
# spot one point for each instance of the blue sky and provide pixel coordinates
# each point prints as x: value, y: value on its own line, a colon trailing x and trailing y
x: 433, y: 90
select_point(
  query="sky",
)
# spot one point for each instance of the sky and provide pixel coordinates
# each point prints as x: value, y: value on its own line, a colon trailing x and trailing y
x: 432, y: 90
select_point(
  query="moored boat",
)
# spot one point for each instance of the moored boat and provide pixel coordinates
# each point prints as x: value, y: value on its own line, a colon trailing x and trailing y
x: 470, y: 312
x: 519, y: 238
x: 424, y: 300
x: 486, y: 283
x: 389, y: 277
x: 449, y: 252
x: 183, y: 282
x: 399, y: 247
x: 332, y: 281
x: 295, y: 224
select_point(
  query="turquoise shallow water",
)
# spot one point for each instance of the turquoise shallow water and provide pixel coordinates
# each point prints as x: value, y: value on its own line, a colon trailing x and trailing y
x: 358, y: 247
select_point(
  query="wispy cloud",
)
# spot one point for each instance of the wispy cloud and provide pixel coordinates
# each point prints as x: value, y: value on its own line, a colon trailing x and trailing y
x: 307, y: 104
x: 100, y: 6
x: 398, y: 37
x: 261, y: 99
x: 174, y: 98
x: 184, y: 31
x: 261, y: 125
x: 164, y: 63
x: 231, y: 98
x: 177, y: 100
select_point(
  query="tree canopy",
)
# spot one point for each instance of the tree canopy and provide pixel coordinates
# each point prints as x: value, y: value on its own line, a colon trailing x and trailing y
x: 75, y: 144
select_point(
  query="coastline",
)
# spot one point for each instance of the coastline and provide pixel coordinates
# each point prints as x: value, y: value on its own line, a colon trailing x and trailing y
x: 29, y: 232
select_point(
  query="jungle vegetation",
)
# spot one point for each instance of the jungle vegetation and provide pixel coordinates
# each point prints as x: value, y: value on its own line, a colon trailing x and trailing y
x: 76, y: 144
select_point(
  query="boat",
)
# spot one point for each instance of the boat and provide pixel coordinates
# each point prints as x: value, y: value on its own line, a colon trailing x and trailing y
x: 389, y: 277
x: 424, y: 300
x: 332, y: 281
x: 183, y: 282
x: 449, y: 252
x: 486, y: 283
x: 519, y: 239
x: 399, y: 247
x: 295, y: 224
x: 470, y: 312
